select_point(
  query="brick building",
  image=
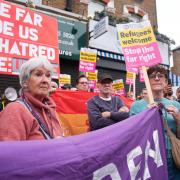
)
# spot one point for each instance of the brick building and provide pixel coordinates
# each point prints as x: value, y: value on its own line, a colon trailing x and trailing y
x: 175, y: 75
x: 136, y: 8
x: 80, y: 13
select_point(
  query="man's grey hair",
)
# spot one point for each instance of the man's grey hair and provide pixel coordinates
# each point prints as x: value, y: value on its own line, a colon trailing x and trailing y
x: 30, y: 65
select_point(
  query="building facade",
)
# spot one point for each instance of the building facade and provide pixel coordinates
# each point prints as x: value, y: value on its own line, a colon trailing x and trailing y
x: 76, y: 19
x: 175, y: 69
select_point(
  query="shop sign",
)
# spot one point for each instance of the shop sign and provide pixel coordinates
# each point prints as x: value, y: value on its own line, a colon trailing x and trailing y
x: 72, y: 35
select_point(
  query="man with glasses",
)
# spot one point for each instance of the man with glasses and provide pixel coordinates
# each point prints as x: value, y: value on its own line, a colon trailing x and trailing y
x: 158, y: 78
x: 82, y: 83
x: 105, y: 109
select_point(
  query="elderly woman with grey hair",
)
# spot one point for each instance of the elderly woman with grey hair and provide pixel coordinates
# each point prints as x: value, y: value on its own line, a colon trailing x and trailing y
x: 33, y: 115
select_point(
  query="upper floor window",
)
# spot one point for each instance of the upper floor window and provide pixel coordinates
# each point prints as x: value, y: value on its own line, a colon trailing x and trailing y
x: 95, y: 6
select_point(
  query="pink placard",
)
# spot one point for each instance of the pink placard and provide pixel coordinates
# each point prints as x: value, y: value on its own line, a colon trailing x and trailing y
x: 92, y: 84
x: 121, y: 92
x: 141, y: 76
x: 87, y: 66
x: 133, y: 70
x: 138, y: 44
x: 137, y: 56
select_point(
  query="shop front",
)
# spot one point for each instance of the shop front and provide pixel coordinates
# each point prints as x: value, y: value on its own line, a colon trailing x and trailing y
x: 72, y: 36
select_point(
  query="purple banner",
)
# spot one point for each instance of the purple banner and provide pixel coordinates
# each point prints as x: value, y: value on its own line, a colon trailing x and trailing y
x: 132, y: 149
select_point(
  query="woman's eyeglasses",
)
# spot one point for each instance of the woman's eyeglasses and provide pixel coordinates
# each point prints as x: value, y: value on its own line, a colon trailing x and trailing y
x: 154, y: 76
x: 83, y: 82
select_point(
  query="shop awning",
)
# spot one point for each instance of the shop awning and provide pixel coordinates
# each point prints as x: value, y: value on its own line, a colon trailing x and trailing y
x: 110, y: 55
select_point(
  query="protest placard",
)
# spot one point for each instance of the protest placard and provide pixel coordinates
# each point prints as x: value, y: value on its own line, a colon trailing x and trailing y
x: 64, y: 79
x: 24, y: 34
x: 138, y: 44
x: 87, y: 60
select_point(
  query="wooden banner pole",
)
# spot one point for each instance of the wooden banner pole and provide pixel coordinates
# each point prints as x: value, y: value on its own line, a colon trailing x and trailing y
x: 147, y: 83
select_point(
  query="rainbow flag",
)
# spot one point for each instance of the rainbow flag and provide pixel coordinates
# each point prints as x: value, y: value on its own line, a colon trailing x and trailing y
x: 72, y: 110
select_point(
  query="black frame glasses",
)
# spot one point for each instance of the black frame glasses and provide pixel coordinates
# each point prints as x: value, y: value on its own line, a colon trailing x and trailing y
x: 155, y: 76
x: 83, y: 82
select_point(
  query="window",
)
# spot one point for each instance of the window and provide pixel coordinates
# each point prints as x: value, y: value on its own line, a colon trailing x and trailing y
x: 94, y: 6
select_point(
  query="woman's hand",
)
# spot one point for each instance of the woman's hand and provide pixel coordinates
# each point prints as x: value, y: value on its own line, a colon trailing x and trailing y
x: 154, y: 104
x: 174, y: 111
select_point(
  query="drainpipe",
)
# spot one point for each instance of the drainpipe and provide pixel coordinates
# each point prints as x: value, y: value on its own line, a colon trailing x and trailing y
x: 68, y: 5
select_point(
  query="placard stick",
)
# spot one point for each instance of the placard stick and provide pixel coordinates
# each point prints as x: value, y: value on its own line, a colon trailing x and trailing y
x: 134, y: 86
x: 130, y: 88
x: 3, y: 104
x: 148, y: 87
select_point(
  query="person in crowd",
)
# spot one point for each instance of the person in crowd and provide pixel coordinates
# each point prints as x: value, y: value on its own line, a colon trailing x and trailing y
x: 130, y: 95
x: 82, y: 83
x: 33, y: 115
x: 105, y: 109
x: 66, y: 87
x: 54, y: 86
x: 168, y: 92
x: 144, y: 93
x: 74, y: 89
x: 158, y: 80
x: 178, y: 94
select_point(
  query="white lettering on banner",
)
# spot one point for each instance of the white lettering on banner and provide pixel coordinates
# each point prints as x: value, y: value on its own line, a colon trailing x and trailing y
x: 68, y: 35
x: 26, y: 32
x: 138, y: 51
x: 19, y: 13
x: 64, y: 52
x: 111, y: 169
x: 25, y: 16
x: 131, y: 59
x: 130, y: 161
x: 22, y: 49
x: 6, y: 28
x: 14, y: 50
x: 108, y: 170
x: 156, y: 155
x: 4, y: 10
x: 3, y: 64
x: 148, y: 57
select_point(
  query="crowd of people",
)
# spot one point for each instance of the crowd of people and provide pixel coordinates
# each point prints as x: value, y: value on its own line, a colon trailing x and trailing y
x: 33, y: 115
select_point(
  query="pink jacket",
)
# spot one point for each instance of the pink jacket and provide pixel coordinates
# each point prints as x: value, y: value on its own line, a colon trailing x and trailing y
x: 17, y: 122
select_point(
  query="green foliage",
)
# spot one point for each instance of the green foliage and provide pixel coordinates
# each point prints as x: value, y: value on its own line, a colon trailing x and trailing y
x: 113, y: 20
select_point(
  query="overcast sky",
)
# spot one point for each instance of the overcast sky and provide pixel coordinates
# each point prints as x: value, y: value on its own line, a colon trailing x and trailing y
x: 168, y: 15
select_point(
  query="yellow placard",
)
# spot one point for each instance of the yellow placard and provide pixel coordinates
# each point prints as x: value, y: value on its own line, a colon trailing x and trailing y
x: 118, y: 85
x: 92, y: 76
x: 129, y: 75
x: 133, y: 37
x: 65, y: 79
x: 88, y: 56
